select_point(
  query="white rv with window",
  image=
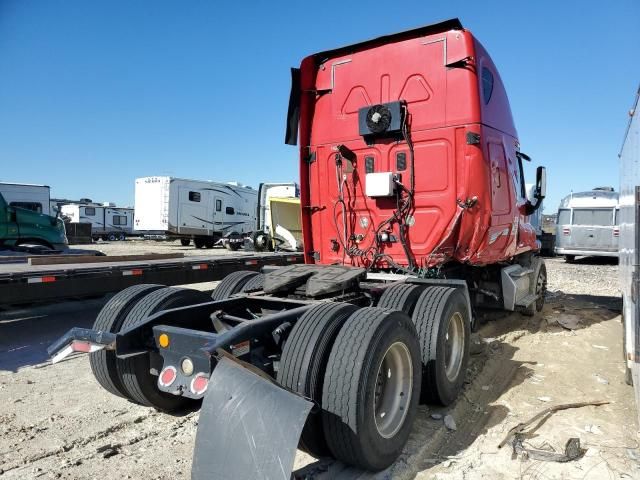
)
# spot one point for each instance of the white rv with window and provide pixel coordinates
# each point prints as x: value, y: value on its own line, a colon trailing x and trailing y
x: 24, y: 195
x: 204, y: 211
x: 107, y: 221
x: 587, y: 224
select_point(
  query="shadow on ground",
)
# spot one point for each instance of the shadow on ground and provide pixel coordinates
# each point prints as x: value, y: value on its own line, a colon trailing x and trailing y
x: 26, y: 332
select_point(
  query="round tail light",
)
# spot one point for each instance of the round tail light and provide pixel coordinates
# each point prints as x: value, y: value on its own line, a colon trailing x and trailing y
x: 199, y: 384
x: 167, y: 376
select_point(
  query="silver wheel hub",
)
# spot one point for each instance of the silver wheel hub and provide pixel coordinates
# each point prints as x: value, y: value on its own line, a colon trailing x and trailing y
x: 394, y: 384
x: 454, y: 346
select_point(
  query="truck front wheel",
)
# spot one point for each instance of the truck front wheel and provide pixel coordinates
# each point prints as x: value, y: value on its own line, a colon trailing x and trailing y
x: 371, y: 388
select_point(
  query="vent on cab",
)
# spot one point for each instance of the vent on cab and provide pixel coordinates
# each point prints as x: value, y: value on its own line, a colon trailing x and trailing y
x: 381, y: 121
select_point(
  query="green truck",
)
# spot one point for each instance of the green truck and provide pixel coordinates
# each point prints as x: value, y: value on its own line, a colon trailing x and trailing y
x: 22, y: 226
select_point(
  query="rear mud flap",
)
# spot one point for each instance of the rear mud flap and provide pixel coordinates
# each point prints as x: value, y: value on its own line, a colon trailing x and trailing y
x: 249, y: 427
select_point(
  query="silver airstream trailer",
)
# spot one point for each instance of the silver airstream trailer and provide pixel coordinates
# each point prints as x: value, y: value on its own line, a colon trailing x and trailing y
x: 587, y: 224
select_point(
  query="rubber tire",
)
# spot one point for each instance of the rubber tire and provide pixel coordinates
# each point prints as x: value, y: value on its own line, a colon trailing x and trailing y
x: 198, y: 242
x: 122, y: 237
x: 350, y: 377
x: 232, y: 284
x: 137, y: 379
x: 569, y: 258
x: 232, y: 247
x: 209, y: 242
x: 185, y: 242
x: 103, y: 362
x: 401, y: 297
x: 111, y: 237
x: 538, y: 305
x: 262, y: 242
x: 255, y: 284
x: 436, y: 305
x: 304, y: 360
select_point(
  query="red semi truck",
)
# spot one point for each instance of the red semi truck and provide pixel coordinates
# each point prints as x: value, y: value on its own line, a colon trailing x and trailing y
x: 414, y: 215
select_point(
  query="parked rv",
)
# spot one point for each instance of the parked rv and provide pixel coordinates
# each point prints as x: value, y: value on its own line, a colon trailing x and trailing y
x: 107, y: 221
x: 24, y: 195
x: 587, y: 224
x: 630, y: 247
x: 204, y: 211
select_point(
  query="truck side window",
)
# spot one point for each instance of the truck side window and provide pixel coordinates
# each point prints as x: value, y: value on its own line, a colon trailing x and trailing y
x: 89, y: 211
x: 194, y: 196
x: 218, y: 205
x: 34, y: 206
x: 230, y: 211
x: 522, y: 187
x: 487, y: 84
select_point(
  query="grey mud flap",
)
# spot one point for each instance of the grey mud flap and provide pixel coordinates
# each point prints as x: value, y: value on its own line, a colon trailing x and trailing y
x: 249, y: 427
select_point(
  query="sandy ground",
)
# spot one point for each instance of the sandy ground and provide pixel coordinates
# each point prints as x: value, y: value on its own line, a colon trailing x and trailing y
x: 136, y: 246
x: 56, y: 422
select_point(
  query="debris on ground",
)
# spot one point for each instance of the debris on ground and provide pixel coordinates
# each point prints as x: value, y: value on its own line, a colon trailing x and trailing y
x: 449, y: 422
x: 544, y: 415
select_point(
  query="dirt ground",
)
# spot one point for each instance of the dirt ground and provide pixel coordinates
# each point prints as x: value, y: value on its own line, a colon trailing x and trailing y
x: 56, y: 422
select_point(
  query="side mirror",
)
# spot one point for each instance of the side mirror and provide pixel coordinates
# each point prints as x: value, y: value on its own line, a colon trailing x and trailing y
x: 541, y: 183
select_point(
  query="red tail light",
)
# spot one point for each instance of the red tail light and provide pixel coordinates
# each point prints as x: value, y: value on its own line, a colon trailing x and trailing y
x: 199, y: 384
x: 566, y: 231
x: 167, y: 376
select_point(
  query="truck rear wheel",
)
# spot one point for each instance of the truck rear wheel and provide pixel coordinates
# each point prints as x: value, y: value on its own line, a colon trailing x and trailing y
x: 185, y: 242
x: 137, y: 379
x: 569, y: 258
x: 401, y: 297
x: 198, y: 242
x: 371, y: 388
x: 232, y: 283
x: 304, y: 360
x: 443, y: 322
x: 255, y: 284
x: 103, y: 362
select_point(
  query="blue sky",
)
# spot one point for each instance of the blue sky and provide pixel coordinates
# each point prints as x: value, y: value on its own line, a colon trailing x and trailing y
x: 95, y: 94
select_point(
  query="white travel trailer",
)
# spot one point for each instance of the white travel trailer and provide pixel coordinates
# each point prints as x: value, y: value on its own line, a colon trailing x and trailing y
x: 25, y: 195
x: 630, y: 248
x: 107, y: 221
x: 204, y: 211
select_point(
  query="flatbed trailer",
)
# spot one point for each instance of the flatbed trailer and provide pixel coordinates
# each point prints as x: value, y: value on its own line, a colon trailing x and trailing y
x: 24, y: 283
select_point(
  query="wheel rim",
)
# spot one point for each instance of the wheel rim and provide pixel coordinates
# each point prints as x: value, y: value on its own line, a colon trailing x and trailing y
x: 394, y: 384
x: 541, y: 288
x: 454, y: 346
